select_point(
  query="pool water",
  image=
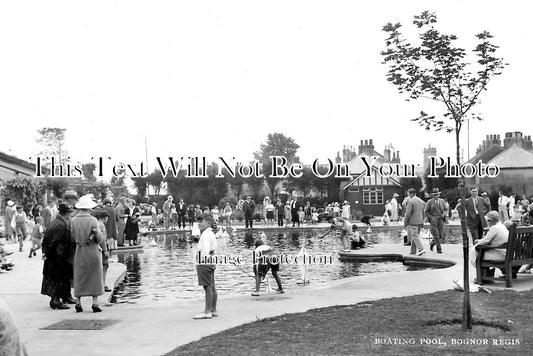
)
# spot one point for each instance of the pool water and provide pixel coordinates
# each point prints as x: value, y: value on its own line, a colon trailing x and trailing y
x: 166, y: 272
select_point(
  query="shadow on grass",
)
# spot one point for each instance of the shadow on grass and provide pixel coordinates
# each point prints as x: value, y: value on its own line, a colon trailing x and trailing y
x: 415, y: 325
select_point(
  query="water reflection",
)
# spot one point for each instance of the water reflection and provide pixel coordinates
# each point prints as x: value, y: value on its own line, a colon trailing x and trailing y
x: 166, y: 272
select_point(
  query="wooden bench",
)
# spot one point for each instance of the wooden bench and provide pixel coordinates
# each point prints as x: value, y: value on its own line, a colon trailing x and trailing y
x: 519, y: 251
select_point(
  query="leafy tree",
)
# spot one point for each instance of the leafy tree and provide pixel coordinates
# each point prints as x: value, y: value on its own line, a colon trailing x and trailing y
x: 438, y: 70
x: 155, y: 179
x: 118, y: 187
x: 24, y: 190
x: 276, y: 144
x: 52, y: 142
x: 88, y: 171
x: 141, y: 184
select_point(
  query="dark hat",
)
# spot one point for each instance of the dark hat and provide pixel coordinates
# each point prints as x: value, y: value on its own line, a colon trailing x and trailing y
x: 64, y: 208
x: 106, y: 201
x: 435, y: 191
x: 99, y: 213
x: 411, y: 191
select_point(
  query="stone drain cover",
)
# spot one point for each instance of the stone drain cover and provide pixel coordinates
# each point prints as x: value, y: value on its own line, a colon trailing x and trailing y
x: 81, y: 324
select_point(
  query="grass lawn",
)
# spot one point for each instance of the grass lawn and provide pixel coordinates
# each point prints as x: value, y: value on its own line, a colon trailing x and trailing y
x: 396, y: 326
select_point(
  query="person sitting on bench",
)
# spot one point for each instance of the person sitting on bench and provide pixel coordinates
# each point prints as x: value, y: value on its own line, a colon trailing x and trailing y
x: 496, y: 236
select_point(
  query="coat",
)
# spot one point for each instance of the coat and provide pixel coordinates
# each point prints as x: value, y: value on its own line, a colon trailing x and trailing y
x: 482, y: 208
x: 112, y: 220
x: 88, y: 268
x: 414, y: 212
x: 132, y: 225
x: 8, y: 216
x: 58, y: 247
x: 47, y: 216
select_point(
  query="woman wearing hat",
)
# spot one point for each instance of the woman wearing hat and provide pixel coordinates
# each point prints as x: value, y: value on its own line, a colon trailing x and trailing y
x: 496, y: 236
x: 88, y: 267
x: 58, y: 249
x: 102, y: 216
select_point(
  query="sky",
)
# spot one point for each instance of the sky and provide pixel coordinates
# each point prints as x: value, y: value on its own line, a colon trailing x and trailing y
x: 213, y: 78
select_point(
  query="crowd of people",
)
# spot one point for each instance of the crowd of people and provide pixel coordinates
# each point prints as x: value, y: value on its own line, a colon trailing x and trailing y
x: 477, y: 206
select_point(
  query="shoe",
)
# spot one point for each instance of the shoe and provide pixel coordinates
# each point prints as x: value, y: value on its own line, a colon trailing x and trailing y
x: 421, y: 253
x: 280, y: 291
x: 69, y: 300
x: 29, y: 256
x: 203, y: 316
x: 35, y: 254
x: 58, y: 305
x: 78, y: 308
x: 96, y: 308
x: 20, y: 249
x: 107, y: 289
x: 439, y: 251
x: 431, y: 247
x: 255, y: 294
x: 214, y: 314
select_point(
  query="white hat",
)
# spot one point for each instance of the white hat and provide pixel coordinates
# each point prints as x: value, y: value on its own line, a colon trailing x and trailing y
x: 86, y: 202
x: 10, y: 203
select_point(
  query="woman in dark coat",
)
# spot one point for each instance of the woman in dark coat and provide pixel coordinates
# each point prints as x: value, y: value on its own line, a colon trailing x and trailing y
x: 58, y: 249
x: 132, y: 224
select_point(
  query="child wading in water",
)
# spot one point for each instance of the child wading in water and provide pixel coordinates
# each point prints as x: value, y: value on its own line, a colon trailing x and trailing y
x: 36, y: 236
x: 261, y: 267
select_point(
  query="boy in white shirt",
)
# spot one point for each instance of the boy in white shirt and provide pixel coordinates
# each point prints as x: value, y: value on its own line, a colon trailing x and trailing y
x: 206, y: 272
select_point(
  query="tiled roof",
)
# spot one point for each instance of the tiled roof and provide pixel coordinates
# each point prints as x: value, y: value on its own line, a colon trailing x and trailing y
x: 513, y: 157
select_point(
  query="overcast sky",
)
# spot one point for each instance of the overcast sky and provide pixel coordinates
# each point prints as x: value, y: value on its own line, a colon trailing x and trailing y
x: 213, y: 78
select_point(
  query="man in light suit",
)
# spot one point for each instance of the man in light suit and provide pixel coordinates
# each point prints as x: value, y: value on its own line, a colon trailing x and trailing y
x: 437, y: 213
x: 476, y: 208
x: 414, y: 221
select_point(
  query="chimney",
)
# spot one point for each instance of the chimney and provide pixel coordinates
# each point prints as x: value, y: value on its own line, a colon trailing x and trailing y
x: 386, y: 153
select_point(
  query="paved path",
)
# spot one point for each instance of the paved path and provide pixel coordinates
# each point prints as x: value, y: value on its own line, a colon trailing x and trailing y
x: 158, y: 328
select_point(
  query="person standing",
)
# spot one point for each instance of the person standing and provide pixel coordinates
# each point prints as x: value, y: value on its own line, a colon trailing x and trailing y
x: 294, y: 212
x: 395, y: 216
x: 102, y: 216
x: 476, y: 208
x: 48, y: 213
x: 503, y: 207
x: 181, y: 209
x: 9, y: 213
x: 512, y: 203
x: 345, y: 213
x: 88, y: 265
x: 206, y: 271
x: 269, y: 208
x: 121, y: 221
x: 248, y: 208
x: 287, y: 212
x: 131, y: 230
x: 414, y: 221
x: 436, y: 212
x: 226, y: 212
x: 167, y: 211
x: 280, y: 209
x: 58, y: 247
x: 110, y: 225
x: 20, y: 226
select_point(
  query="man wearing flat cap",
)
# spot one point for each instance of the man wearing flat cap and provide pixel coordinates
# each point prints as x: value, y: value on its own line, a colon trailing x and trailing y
x: 436, y: 212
